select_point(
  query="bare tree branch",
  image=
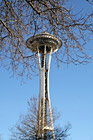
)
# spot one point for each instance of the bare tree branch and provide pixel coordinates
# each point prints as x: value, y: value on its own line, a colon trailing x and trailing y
x: 90, y: 1
x: 24, y: 18
x: 26, y: 128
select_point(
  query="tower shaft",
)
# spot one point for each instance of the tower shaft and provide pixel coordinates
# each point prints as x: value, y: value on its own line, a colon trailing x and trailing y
x: 44, y: 44
x: 44, y: 105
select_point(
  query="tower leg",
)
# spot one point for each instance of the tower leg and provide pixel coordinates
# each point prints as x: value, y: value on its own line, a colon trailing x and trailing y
x: 44, y: 99
x: 49, y: 104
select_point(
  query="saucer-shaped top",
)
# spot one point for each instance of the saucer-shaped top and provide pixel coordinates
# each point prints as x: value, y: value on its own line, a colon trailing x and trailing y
x: 41, y: 40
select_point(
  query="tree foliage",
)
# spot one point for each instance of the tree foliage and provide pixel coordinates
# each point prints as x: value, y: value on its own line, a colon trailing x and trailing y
x: 20, y: 19
x: 26, y: 128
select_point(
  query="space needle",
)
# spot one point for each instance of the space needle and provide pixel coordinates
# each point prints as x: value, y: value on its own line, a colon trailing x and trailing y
x: 44, y: 44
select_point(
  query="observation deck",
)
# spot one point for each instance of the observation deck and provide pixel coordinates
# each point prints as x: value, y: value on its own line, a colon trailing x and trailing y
x: 38, y: 42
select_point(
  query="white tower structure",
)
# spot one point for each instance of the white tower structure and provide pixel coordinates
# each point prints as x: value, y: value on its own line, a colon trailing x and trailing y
x: 44, y: 44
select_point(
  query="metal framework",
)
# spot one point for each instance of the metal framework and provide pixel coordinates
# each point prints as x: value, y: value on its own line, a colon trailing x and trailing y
x: 44, y: 44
